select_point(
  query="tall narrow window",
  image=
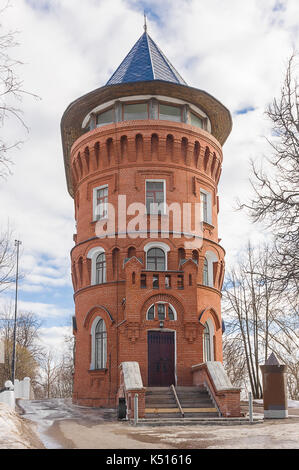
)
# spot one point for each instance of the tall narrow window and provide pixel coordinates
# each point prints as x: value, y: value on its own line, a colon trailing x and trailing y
x: 101, y: 203
x: 204, y: 201
x: 101, y: 269
x: 155, y: 197
x: 205, y: 272
x: 100, y: 345
x: 161, y: 311
x: 151, y: 313
x: 207, y: 343
x: 156, y: 259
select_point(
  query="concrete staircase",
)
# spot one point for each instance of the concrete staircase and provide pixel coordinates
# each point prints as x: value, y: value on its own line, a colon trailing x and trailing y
x: 160, y: 404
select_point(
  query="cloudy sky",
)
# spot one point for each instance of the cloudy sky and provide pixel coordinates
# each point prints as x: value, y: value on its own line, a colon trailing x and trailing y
x: 236, y: 50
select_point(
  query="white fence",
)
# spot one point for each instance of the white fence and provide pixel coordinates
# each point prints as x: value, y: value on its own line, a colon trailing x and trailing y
x: 20, y: 389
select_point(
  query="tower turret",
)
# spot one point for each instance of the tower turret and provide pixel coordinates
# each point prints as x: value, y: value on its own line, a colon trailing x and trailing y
x: 139, y: 153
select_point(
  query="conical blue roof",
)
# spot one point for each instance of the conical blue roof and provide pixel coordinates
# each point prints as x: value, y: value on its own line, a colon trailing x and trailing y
x: 145, y: 62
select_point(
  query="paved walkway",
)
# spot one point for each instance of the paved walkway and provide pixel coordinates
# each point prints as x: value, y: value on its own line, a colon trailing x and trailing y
x: 60, y: 424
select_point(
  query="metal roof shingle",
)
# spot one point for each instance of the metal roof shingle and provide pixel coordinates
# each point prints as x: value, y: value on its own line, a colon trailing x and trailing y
x: 145, y: 62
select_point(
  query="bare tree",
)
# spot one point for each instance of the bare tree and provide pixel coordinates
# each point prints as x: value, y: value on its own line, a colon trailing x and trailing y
x: 259, y: 320
x: 7, y: 259
x: 11, y: 91
x: 28, y: 351
x: 56, y: 373
x: 276, y: 187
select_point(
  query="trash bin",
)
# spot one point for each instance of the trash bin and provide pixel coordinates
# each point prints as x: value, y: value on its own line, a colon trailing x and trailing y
x: 122, y: 408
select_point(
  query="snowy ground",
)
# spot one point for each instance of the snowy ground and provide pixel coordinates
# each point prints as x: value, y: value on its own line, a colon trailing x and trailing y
x: 15, y: 432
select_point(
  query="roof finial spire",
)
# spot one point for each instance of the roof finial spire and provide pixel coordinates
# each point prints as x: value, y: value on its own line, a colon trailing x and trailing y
x: 145, y: 25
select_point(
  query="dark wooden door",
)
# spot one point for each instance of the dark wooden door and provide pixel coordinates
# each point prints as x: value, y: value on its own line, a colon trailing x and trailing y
x: 160, y: 359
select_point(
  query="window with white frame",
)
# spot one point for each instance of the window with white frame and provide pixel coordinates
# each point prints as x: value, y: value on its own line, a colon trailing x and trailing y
x: 98, y: 265
x: 98, y: 344
x: 207, y: 343
x: 205, y: 272
x: 206, y: 201
x: 101, y: 269
x: 161, y: 311
x: 100, y: 203
x: 155, y: 260
x: 155, y: 196
x: 208, y: 268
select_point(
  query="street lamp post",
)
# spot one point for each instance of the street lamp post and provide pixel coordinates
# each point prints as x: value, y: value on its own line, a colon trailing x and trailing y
x: 13, y: 364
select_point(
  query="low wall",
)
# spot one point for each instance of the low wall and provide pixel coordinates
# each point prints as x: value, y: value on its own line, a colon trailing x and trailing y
x: 130, y: 385
x: 8, y: 395
x: 212, y: 375
x: 20, y: 389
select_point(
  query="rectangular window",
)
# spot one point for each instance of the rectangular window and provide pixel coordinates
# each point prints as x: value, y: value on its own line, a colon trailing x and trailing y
x: 135, y: 111
x: 155, y: 282
x: 161, y: 312
x: 180, y: 281
x: 100, y: 203
x: 155, y: 197
x: 107, y: 117
x: 143, y: 281
x: 196, y: 121
x: 170, y: 113
x: 206, y: 201
x: 167, y: 282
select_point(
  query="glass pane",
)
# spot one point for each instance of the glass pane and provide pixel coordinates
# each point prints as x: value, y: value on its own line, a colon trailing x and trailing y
x: 170, y: 113
x: 170, y: 313
x: 161, y: 311
x: 155, y: 282
x: 154, y: 185
x: 204, y: 200
x: 151, y: 313
x: 135, y: 111
x: 205, y: 272
x: 107, y: 117
x: 196, y: 121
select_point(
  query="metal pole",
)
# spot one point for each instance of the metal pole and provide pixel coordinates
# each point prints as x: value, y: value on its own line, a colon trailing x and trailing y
x: 135, y: 409
x: 13, y: 365
x: 250, y: 407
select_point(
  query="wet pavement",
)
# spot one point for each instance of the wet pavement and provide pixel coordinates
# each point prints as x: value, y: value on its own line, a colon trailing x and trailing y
x: 46, y: 413
x: 61, y: 425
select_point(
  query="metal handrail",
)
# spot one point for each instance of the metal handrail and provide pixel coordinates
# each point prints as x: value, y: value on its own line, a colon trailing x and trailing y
x: 177, y: 400
x: 207, y: 387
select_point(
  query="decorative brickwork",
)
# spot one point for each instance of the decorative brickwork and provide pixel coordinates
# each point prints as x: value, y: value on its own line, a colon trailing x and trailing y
x: 120, y: 289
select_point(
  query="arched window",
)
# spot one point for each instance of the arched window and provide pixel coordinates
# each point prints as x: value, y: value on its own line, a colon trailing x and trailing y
x: 161, y: 311
x: 207, y: 343
x: 156, y: 259
x: 101, y: 269
x: 100, y: 349
x: 205, y: 280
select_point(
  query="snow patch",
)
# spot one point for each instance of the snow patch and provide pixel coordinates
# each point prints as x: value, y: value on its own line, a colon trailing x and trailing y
x: 11, y: 432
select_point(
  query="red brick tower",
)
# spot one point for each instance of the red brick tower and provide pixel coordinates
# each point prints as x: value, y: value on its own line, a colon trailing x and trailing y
x: 149, y: 297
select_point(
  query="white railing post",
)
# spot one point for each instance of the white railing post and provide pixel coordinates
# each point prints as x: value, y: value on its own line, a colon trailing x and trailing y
x: 250, y: 407
x: 136, y: 409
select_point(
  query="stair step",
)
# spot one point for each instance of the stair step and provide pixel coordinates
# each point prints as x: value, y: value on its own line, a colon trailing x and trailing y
x: 162, y: 410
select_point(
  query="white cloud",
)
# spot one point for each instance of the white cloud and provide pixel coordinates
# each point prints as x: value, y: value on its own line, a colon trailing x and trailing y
x: 54, y: 338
